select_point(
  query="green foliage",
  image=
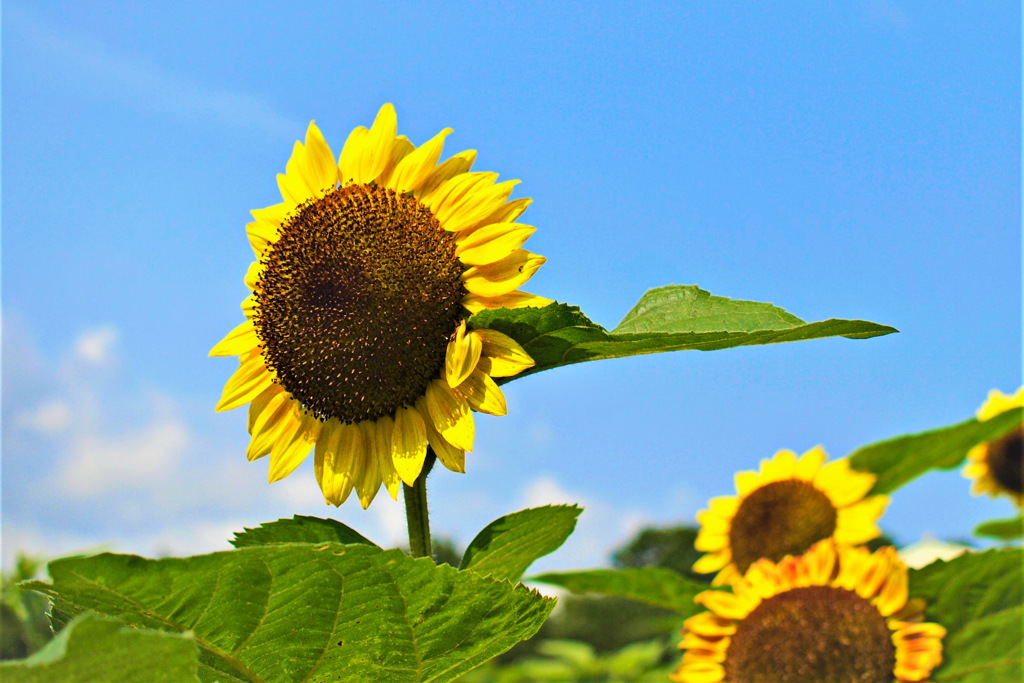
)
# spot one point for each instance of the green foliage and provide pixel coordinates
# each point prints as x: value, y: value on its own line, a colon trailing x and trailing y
x: 670, y: 548
x: 291, y: 612
x: 672, y: 318
x: 977, y: 597
x: 1003, y: 529
x: 900, y: 460
x: 298, y: 529
x: 508, y: 546
x: 92, y: 649
x: 653, y: 585
x: 24, y: 627
x: 569, y: 660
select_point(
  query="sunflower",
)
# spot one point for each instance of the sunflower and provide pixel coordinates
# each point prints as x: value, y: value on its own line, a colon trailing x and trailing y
x: 355, y: 342
x: 784, y: 509
x: 835, y: 614
x: 995, y: 466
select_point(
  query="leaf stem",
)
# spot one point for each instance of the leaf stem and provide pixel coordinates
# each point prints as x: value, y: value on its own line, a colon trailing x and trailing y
x: 416, y: 510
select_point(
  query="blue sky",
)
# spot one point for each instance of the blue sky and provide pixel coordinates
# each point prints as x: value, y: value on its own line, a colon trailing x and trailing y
x: 856, y: 160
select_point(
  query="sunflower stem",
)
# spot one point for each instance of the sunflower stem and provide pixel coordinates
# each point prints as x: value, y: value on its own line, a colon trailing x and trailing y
x: 416, y: 510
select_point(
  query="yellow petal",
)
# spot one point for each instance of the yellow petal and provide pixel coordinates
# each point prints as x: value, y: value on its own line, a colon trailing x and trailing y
x: 260, y: 403
x: 417, y: 167
x: 400, y: 148
x: 350, y: 166
x: 504, y: 276
x: 483, y: 394
x: 711, y: 563
x: 746, y: 482
x: 506, y: 356
x: 809, y: 463
x: 377, y: 144
x: 452, y: 193
x: 239, y: 340
x: 492, y: 243
x: 456, y: 165
x: 723, y: 604
x: 376, y: 440
x: 462, y: 356
x: 310, y: 171
x: 409, y: 444
x: 249, y: 306
x: 857, y: 524
x: 450, y: 415
x: 288, y: 453
x: 475, y: 303
x: 451, y: 457
x: 781, y: 466
x: 252, y: 275
x: 280, y: 415
x: 339, y: 455
x: 475, y: 206
x: 247, y: 382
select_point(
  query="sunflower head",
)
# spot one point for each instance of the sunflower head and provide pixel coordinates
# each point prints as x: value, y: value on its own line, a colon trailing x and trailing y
x: 784, y: 509
x: 996, y: 466
x: 355, y: 342
x: 834, y: 614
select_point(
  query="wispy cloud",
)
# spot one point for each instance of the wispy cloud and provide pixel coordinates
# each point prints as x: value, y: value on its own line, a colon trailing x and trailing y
x: 135, y: 80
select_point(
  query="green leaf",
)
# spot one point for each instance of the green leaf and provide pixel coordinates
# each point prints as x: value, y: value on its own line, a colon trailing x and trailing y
x: 93, y: 648
x: 898, y: 461
x: 977, y: 597
x: 299, y: 529
x: 1004, y: 529
x: 302, y: 612
x: 653, y: 585
x: 509, y: 545
x: 672, y: 318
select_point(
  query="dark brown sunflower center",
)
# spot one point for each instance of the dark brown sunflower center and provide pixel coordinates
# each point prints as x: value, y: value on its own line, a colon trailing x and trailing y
x: 357, y: 301
x: 781, y: 518
x: 1005, y: 460
x: 815, y: 633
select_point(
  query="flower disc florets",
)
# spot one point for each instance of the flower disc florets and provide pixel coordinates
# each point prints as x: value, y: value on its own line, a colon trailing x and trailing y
x: 357, y: 301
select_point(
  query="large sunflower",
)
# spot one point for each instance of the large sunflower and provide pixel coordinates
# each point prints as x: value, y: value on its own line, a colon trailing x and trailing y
x: 355, y: 342
x: 784, y: 509
x: 835, y: 614
x: 995, y: 466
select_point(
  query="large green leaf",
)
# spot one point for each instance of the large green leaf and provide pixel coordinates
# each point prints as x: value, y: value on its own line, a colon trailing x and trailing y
x: 302, y: 612
x: 977, y: 597
x: 93, y: 648
x: 299, y: 529
x: 509, y: 545
x: 900, y: 460
x: 653, y: 585
x: 1003, y: 529
x: 672, y: 318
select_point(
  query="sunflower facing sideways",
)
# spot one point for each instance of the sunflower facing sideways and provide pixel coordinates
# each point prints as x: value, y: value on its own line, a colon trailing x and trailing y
x: 835, y: 614
x: 784, y: 509
x: 996, y: 466
x: 355, y: 343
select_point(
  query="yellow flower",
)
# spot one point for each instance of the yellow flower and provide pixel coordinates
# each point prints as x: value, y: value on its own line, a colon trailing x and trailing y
x: 355, y: 342
x: 784, y: 509
x: 995, y: 466
x: 835, y: 614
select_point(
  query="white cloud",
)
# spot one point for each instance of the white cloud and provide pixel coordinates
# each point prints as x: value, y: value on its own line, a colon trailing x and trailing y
x: 96, y: 346
x: 51, y: 417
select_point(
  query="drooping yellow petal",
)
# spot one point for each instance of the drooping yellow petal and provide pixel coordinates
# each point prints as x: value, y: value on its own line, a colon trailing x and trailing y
x: 277, y: 417
x: 504, y: 276
x: 711, y: 563
x: 475, y: 303
x: 339, y: 456
x: 492, y: 243
x: 239, y: 340
x: 483, y: 394
x: 409, y: 444
x: 507, y: 358
x: 451, y: 415
x: 377, y: 442
x: 261, y: 402
x: 247, y: 382
x: 418, y: 166
x: 451, y: 457
x: 456, y: 165
x: 288, y: 453
x: 462, y: 356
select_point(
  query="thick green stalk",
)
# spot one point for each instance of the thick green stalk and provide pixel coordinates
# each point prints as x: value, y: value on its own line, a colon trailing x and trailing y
x: 416, y: 510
